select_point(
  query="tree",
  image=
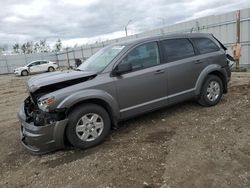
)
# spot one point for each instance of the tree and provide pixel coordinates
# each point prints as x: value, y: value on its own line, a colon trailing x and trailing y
x: 36, y: 47
x: 29, y: 47
x: 23, y: 48
x: 16, y: 48
x: 58, y: 45
x: 44, y: 47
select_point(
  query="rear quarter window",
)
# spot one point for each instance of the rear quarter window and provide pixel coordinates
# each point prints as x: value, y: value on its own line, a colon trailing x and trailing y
x: 205, y: 45
x: 177, y: 49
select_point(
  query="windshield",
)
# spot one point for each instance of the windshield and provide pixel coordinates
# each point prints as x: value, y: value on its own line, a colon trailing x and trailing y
x: 101, y: 59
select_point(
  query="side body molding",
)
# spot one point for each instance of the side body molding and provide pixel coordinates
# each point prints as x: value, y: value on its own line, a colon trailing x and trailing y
x: 205, y: 72
x: 88, y: 94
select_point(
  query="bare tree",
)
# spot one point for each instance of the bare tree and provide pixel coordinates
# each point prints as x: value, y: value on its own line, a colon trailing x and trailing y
x: 23, y: 48
x: 16, y: 48
x: 36, y: 48
x: 44, y: 47
x: 58, y: 45
x: 29, y: 47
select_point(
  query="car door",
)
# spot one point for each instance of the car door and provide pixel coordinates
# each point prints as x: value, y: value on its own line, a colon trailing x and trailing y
x: 34, y: 67
x: 43, y: 66
x: 183, y: 68
x: 143, y: 88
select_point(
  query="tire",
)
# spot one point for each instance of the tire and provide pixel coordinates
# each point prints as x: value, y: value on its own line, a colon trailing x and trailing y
x: 24, y: 73
x: 82, y: 137
x: 211, y: 91
x: 51, y: 69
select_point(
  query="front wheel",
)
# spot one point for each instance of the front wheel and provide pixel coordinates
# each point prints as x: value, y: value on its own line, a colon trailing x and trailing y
x: 24, y: 73
x: 88, y: 126
x: 211, y: 91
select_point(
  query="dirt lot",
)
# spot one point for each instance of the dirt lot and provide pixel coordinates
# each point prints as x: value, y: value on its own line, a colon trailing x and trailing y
x: 183, y: 146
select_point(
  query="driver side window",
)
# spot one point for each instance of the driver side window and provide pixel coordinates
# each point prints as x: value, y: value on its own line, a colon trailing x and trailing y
x: 144, y: 56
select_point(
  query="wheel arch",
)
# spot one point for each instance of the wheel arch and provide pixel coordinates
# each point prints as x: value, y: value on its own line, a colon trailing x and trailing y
x: 92, y: 96
x: 96, y: 101
x: 213, y: 69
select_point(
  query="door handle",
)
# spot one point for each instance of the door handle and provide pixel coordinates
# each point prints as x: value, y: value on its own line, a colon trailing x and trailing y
x: 159, y: 71
x: 199, y: 61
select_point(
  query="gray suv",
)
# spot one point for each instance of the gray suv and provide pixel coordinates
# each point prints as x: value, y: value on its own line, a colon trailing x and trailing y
x: 121, y: 81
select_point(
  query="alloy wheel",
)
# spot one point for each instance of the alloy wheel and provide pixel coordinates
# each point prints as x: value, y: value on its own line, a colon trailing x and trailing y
x: 89, y: 127
x: 213, y: 91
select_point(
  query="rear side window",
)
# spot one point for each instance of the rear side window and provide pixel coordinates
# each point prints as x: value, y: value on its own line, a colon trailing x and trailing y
x: 43, y: 62
x: 205, y: 45
x: 176, y: 49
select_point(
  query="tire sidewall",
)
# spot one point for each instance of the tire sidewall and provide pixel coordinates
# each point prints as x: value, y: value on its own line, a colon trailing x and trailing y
x: 74, y: 117
x: 25, y: 72
x: 51, y: 69
x: 204, y: 90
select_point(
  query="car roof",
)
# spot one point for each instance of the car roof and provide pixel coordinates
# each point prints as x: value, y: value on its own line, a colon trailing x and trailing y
x: 162, y: 37
x: 38, y: 60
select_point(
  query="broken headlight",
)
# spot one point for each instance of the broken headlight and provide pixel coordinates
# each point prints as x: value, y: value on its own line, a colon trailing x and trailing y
x: 46, y: 103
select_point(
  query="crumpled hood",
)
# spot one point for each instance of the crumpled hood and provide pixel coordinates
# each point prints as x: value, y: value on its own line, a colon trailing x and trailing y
x: 36, y: 82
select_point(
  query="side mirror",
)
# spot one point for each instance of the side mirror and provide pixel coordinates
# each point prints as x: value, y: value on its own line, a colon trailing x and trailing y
x: 122, y: 68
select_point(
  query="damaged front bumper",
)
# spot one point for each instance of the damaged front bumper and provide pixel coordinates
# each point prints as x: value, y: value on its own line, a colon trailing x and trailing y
x: 41, y: 139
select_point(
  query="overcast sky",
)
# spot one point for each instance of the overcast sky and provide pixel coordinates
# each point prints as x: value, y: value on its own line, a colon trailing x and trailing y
x: 82, y: 21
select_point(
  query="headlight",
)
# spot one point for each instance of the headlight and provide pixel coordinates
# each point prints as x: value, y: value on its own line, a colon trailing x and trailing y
x: 46, y: 103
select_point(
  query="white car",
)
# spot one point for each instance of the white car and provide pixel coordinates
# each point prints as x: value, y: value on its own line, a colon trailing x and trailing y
x: 35, y: 67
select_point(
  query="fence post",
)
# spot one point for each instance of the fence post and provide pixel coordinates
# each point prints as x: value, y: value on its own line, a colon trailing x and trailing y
x: 82, y: 54
x: 91, y: 50
x: 73, y: 51
x: 7, y: 66
x: 57, y: 60
x: 67, y: 57
x: 25, y: 59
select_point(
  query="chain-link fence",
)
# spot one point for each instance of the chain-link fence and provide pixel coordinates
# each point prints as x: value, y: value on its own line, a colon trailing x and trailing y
x: 222, y: 27
x: 64, y: 59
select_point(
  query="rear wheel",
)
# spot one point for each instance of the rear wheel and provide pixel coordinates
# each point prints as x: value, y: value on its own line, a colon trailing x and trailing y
x: 88, y: 126
x: 24, y: 73
x: 211, y: 91
x: 51, y: 69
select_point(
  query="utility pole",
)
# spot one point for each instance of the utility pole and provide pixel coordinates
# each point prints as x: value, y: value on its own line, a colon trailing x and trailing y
x: 67, y: 52
x: 238, y: 37
x: 126, y: 27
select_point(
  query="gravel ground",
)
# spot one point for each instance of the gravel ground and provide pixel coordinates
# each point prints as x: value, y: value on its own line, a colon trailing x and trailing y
x: 182, y: 146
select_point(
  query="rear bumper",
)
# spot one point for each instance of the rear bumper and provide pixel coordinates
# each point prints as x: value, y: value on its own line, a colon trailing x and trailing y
x: 41, y: 139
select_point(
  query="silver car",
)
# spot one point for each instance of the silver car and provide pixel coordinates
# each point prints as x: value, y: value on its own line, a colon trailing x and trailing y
x: 119, y: 82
